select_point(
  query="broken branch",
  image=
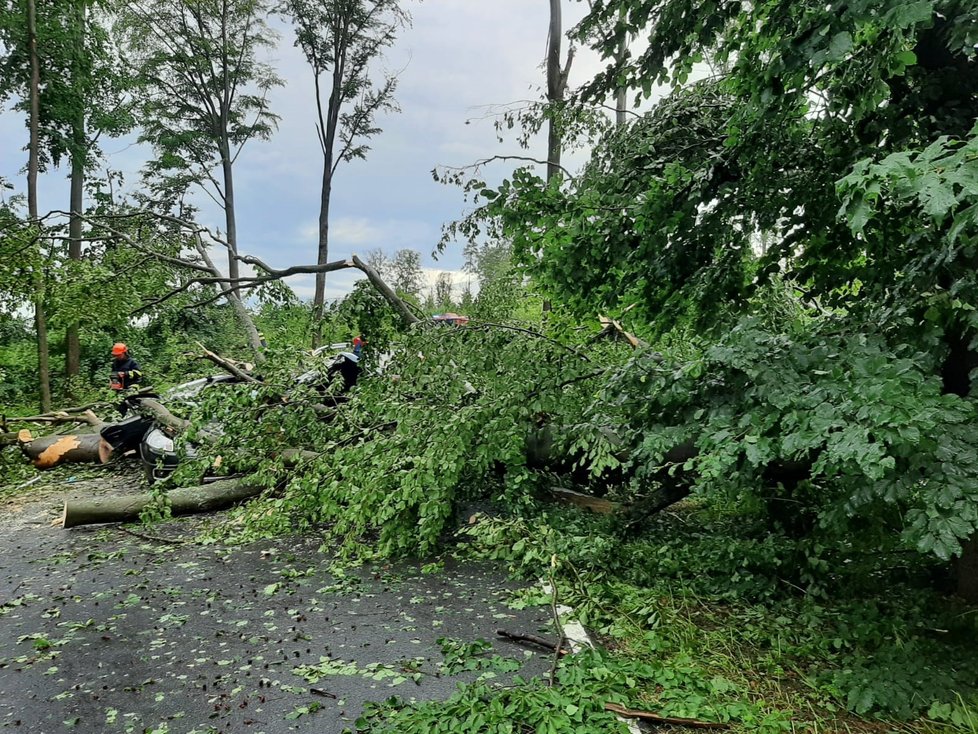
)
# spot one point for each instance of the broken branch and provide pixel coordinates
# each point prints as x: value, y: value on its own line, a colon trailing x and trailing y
x: 519, y: 638
x: 659, y: 719
x: 226, y: 365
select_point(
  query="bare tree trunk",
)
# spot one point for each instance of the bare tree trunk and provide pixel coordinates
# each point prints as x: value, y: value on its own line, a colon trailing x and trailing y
x: 328, y: 141
x: 40, y: 322
x: 230, y: 221
x: 78, y: 150
x: 555, y: 88
x: 556, y: 85
x: 621, y: 96
x: 319, y: 299
x: 229, y: 218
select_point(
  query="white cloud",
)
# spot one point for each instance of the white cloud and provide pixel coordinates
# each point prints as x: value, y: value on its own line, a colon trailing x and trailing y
x: 457, y: 58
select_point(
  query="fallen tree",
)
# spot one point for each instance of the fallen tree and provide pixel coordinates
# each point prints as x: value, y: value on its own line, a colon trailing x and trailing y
x: 183, y: 501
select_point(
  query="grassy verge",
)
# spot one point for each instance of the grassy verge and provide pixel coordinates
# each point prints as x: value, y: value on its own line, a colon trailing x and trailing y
x: 714, y: 618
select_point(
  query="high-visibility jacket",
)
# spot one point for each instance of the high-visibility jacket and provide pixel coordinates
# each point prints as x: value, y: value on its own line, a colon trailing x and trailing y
x: 125, y: 373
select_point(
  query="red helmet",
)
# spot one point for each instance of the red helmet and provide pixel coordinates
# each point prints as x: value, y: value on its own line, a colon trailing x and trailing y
x: 118, y: 349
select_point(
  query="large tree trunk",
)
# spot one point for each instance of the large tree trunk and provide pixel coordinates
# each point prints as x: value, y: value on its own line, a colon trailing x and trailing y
x: 43, y: 361
x: 319, y: 298
x: 78, y: 152
x: 50, y: 451
x: 33, y: 160
x: 328, y: 128
x: 185, y: 501
x: 555, y: 88
x: 621, y: 95
x: 230, y: 221
x: 556, y: 85
x: 33, y: 164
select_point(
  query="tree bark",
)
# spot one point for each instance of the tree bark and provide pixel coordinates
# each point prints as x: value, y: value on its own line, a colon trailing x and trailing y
x: 229, y: 217
x: 621, y: 95
x: 51, y: 451
x: 251, y: 331
x: 185, y: 501
x: 328, y: 135
x: 319, y: 298
x: 72, y: 415
x: 554, y: 91
x: 33, y: 164
x: 33, y: 160
x: 230, y: 221
x: 78, y: 152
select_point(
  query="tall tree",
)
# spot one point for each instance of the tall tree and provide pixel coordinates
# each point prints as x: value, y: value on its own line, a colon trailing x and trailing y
x: 20, y: 74
x: 203, y: 96
x: 93, y: 101
x: 847, y: 134
x: 558, y: 72
x: 342, y: 40
x: 40, y: 322
x: 82, y: 96
x: 407, y: 278
x: 442, y: 293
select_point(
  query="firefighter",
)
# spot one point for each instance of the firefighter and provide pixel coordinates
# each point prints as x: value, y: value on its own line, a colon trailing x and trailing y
x: 125, y: 370
x: 348, y: 365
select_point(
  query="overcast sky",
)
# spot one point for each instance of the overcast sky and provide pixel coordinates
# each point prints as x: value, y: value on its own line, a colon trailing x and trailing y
x: 459, y: 57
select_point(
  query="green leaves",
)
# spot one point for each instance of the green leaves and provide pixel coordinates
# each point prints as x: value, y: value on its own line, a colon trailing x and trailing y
x: 940, y: 181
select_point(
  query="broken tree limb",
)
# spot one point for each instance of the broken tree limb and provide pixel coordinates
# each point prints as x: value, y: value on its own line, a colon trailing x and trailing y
x: 533, y: 640
x: 184, y: 501
x: 154, y: 409
x: 269, y: 274
x: 387, y: 292
x: 50, y: 451
x: 659, y: 719
x: 58, y: 417
x: 293, y: 457
x: 226, y: 365
x: 613, y: 329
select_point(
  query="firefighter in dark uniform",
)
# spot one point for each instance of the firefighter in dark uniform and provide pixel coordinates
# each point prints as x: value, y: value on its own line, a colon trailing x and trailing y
x: 125, y: 370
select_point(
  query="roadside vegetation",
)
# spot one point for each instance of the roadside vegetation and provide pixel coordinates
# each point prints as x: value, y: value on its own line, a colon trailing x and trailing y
x: 748, y: 326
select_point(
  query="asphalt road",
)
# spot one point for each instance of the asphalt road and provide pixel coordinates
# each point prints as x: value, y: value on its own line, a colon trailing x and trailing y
x: 101, y: 631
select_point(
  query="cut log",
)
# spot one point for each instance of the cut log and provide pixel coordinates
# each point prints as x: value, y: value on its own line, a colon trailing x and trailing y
x: 50, y: 451
x: 184, y: 501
